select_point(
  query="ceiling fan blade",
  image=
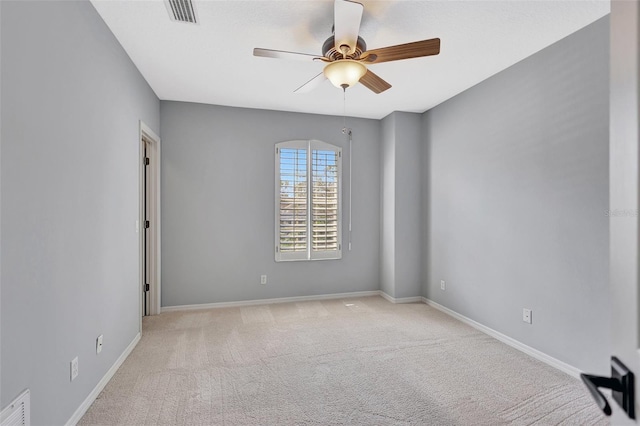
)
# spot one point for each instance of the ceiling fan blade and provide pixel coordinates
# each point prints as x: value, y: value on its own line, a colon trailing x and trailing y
x: 311, y: 84
x: 374, y: 83
x: 346, y: 23
x: 416, y: 49
x: 281, y: 54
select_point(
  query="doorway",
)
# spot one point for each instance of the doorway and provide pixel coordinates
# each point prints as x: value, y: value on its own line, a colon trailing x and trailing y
x: 149, y: 221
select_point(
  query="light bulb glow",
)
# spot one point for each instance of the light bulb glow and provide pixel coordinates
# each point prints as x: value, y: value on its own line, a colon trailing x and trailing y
x: 344, y: 73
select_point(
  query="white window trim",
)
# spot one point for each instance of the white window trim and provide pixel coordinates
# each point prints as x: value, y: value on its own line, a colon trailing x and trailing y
x: 310, y: 254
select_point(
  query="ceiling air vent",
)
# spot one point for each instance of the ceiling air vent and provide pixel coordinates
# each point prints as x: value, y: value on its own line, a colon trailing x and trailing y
x: 181, y: 11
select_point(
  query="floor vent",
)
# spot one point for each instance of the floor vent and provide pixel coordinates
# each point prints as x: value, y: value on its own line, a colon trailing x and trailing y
x: 18, y: 412
x: 181, y: 11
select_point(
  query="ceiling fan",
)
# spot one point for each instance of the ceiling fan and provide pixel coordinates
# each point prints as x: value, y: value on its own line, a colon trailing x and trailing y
x: 346, y: 54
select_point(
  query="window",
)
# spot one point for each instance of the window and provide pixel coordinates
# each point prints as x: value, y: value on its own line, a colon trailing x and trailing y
x: 308, y: 200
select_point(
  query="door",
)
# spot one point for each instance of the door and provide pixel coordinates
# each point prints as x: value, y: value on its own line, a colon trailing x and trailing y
x: 146, y: 228
x: 150, y: 280
x: 624, y: 187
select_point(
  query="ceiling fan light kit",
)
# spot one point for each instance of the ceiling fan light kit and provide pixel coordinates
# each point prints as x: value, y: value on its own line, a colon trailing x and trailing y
x: 346, y: 55
x: 344, y: 73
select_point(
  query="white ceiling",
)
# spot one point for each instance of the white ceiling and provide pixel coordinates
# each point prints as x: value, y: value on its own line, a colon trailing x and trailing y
x: 212, y: 62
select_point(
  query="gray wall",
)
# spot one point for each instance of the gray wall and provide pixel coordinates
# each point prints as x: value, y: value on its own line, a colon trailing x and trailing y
x: 388, y: 206
x: 218, y: 205
x: 71, y: 101
x: 408, y: 208
x: 518, y: 192
x: 400, y: 255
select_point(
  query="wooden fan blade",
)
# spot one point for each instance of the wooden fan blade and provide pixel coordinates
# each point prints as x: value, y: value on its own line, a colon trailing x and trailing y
x: 311, y: 84
x: 346, y: 23
x: 416, y: 49
x: 281, y: 54
x: 374, y: 83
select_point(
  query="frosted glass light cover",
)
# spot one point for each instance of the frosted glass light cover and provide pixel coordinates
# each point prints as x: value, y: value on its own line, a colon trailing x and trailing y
x: 344, y: 73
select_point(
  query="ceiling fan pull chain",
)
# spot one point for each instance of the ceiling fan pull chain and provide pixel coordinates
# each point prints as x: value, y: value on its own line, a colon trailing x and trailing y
x: 344, y: 109
x: 347, y: 131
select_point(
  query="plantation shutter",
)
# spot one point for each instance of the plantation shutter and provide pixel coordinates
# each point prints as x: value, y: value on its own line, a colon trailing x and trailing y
x: 324, y: 202
x: 292, y: 202
x: 308, y: 196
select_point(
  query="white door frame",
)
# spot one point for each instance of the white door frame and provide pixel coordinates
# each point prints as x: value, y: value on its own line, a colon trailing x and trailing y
x: 153, y: 173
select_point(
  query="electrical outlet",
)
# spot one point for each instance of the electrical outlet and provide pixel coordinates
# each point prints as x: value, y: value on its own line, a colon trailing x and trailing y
x: 443, y: 286
x: 74, y: 368
x: 99, y: 344
x: 526, y: 315
x: 263, y: 279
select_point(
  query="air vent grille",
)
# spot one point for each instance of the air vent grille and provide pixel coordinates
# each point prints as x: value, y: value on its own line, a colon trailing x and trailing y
x: 18, y: 413
x: 182, y: 11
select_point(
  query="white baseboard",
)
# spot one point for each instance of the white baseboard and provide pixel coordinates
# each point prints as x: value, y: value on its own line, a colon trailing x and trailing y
x: 270, y: 301
x: 540, y: 356
x: 75, y: 418
x: 400, y: 299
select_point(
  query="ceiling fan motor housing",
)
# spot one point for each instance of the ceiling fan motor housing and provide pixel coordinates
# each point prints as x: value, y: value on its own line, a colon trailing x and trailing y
x: 329, y: 49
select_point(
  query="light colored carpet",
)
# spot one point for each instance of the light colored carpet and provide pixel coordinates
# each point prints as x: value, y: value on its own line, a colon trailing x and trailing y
x: 353, y: 361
